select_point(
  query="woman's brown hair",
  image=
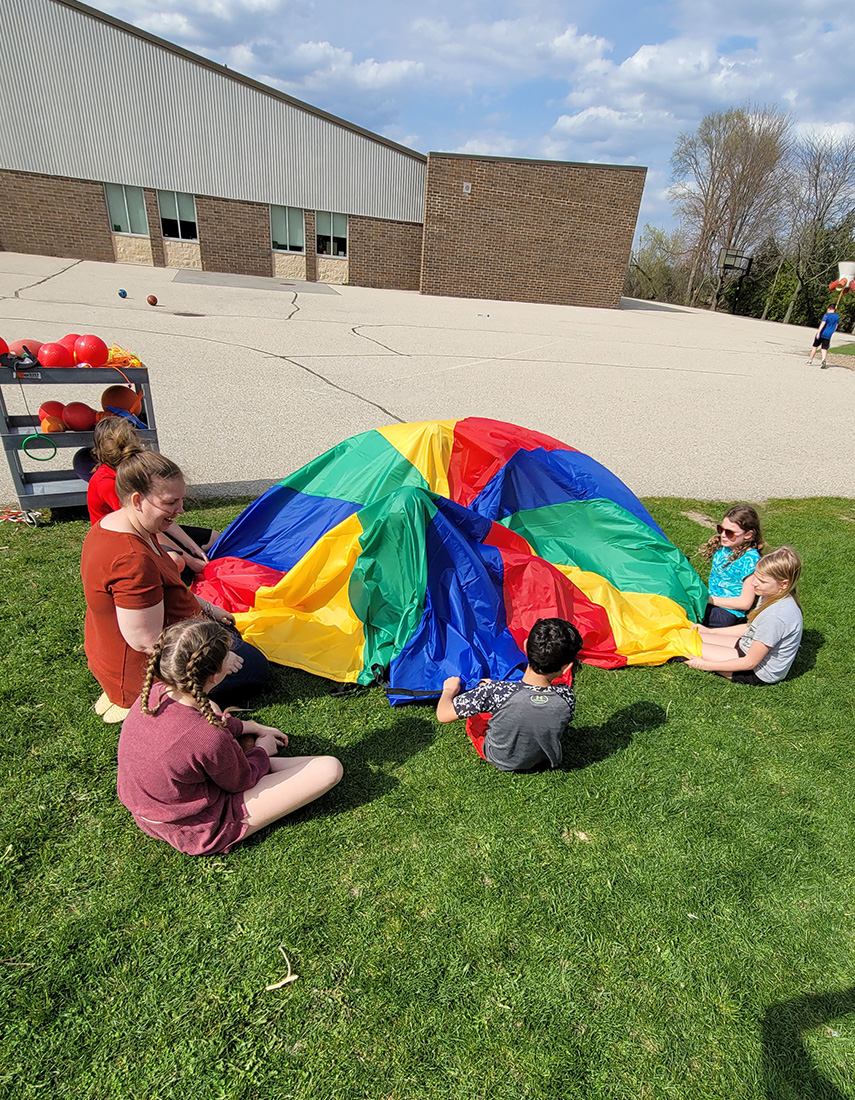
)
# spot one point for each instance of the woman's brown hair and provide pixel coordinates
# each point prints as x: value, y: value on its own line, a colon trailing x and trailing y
x: 745, y: 516
x: 141, y: 471
x: 186, y: 656
x: 115, y: 440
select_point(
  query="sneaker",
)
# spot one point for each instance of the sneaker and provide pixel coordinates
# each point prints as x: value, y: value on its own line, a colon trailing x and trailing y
x: 103, y: 704
x: 823, y: 365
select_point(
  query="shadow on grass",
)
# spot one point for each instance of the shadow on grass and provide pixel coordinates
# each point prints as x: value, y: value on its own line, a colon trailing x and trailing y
x: 812, y: 643
x: 367, y: 765
x: 788, y: 1070
x: 588, y: 744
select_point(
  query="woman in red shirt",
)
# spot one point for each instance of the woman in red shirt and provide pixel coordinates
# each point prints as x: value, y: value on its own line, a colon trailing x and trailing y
x: 116, y: 440
x: 133, y: 588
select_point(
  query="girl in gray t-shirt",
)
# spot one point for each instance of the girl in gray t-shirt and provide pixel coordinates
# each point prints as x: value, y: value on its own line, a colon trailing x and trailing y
x: 763, y: 650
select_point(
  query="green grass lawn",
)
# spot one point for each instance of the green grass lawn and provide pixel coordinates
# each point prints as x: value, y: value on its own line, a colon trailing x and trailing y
x: 844, y: 349
x: 670, y: 916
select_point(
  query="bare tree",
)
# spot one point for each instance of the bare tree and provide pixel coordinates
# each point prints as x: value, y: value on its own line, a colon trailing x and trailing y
x: 820, y: 199
x: 728, y: 184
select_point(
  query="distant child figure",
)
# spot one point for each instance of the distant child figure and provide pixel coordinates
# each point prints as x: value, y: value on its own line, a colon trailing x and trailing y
x: 735, y: 551
x: 116, y: 440
x: 827, y: 328
x: 761, y: 652
x: 182, y: 772
x: 528, y: 716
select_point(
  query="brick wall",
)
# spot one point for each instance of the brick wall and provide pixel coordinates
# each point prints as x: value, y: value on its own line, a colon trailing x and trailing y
x: 234, y: 236
x: 384, y: 253
x: 529, y: 231
x: 311, y: 247
x: 54, y: 216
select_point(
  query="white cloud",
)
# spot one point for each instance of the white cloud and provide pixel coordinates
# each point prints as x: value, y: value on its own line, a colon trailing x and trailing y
x: 490, y: 145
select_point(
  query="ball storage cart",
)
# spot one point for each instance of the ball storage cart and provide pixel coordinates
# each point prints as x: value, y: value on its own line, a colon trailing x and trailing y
x: 52, y: 483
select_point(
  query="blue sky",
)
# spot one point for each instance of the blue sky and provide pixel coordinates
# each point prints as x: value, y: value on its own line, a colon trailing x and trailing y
x: 612, y: 81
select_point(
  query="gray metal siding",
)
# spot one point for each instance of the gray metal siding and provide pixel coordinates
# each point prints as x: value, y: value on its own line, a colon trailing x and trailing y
x: 87, y: 100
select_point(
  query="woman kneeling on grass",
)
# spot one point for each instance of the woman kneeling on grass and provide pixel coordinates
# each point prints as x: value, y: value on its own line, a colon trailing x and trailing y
x: 762, y: 650
x: 182, y: 771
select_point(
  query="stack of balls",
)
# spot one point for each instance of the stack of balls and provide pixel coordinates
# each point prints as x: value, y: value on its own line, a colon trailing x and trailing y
x: 72, y: 350
x: 79, y: 417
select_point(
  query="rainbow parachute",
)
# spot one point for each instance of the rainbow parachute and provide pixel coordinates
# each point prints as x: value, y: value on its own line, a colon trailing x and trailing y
x: 421, y: 551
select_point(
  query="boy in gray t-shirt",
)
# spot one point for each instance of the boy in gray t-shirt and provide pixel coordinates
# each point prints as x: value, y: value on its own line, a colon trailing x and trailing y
x: 528, y: 716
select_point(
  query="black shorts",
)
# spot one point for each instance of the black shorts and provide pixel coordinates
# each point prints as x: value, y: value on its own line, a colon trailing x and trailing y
x: 749, y: 677
x: 823, y: 342
x: 199, y: 535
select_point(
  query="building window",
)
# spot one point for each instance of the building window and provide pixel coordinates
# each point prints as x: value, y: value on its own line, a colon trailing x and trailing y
x: 177, y: 215
x: 126, y: 207
x: 332, y: 233
x: 286, y: 229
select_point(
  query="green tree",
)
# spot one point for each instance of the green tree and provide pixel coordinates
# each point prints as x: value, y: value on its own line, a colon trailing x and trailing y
x: 657, y: 270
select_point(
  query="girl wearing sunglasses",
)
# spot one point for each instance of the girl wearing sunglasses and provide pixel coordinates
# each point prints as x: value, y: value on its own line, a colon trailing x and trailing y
x: 735, y: 550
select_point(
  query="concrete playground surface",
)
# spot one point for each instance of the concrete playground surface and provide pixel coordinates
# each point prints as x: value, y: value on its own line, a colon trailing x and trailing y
x: 253, y: 377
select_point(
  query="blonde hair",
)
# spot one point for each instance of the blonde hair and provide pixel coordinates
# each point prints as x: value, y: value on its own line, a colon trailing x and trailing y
x: 115, y: 440
x: 140, y: 472
x: 782, y: 565
x: 745, y: 517
x: 185, y: 656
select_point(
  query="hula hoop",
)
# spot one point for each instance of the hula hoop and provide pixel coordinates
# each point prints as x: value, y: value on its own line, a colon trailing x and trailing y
x: 37, y: 458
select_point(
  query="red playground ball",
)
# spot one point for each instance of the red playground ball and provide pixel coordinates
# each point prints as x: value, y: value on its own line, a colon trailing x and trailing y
x: 4, y: 347
x: 51, y: 408
x: 70, y: 340
x: 152, y: 300
x: 55, y: 355
x: 92, y: 350
x: 78, y: 417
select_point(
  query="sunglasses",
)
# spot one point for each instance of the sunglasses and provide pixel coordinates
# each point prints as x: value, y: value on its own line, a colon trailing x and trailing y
x: 729, y: 531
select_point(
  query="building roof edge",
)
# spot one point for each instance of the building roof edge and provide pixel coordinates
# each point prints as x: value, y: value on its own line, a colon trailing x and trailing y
x: 232, y: 74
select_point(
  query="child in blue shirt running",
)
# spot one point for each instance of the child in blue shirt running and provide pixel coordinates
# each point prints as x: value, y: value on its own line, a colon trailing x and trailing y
x: 827, y: 328
x: 735, y: 550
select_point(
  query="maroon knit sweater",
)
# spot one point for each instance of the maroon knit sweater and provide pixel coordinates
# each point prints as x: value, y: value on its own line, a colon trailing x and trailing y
x: 182, y: 778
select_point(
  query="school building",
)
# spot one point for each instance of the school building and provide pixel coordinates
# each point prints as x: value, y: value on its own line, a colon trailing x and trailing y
x: 116, y: 145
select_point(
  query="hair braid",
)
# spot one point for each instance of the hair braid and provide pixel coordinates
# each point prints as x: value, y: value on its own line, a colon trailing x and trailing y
x: 186, y: 656
x: 152, y: 670
x: 204, y: 705
x: 196, y: 673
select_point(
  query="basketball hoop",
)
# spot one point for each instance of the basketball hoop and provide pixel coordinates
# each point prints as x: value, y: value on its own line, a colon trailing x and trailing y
x: 731, y: 259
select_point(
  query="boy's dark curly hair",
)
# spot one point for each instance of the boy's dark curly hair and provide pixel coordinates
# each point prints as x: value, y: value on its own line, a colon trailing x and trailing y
x: 552, y: 644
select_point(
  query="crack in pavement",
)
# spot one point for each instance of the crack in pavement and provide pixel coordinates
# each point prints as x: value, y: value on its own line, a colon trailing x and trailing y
x: 394, y: 351
x: 39, y: 282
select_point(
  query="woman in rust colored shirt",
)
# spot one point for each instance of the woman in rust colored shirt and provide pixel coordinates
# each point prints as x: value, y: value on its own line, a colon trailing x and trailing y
x: 133, y: 588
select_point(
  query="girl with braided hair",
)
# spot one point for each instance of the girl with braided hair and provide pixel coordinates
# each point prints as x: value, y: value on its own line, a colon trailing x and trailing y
x: 182, y: 771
